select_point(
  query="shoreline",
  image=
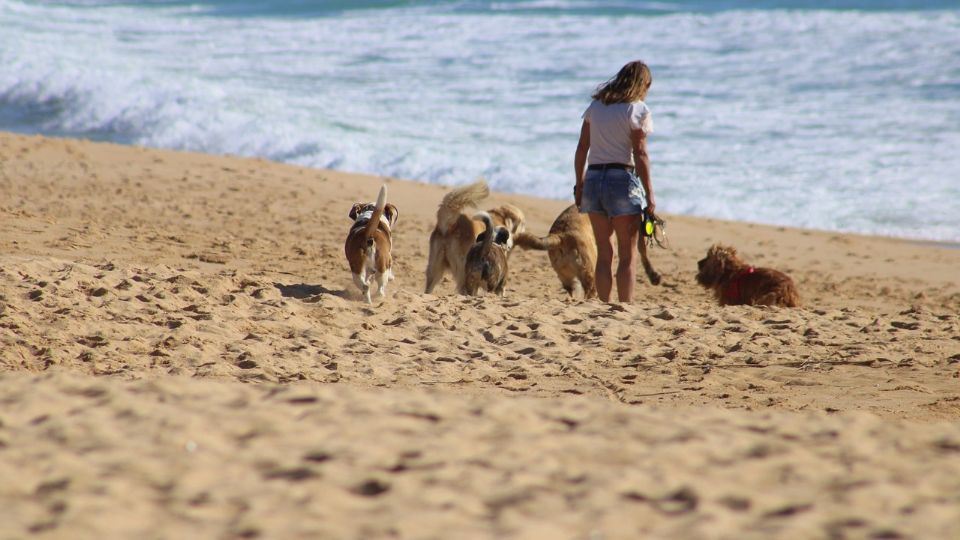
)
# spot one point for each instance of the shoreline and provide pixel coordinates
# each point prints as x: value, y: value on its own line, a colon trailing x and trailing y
x: 945, y: 244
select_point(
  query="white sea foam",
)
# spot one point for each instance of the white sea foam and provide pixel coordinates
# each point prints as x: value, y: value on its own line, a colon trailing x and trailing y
x: 833, y: 120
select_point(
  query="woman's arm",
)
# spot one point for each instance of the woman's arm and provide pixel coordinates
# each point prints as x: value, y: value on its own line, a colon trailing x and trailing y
x: 580, y: 160
x: 638, y: 140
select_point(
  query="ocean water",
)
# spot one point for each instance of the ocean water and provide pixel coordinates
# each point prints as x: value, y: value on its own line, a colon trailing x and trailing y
x: 838, y: 115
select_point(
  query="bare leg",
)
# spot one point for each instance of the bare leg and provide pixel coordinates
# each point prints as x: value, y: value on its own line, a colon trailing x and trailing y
x: 628, y: 232
x: 602, y: 233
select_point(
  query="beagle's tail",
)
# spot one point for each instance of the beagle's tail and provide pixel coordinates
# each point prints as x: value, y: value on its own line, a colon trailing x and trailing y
x: 375, y: 218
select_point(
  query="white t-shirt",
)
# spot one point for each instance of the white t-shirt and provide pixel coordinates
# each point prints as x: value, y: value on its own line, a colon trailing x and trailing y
x: 610, y: 127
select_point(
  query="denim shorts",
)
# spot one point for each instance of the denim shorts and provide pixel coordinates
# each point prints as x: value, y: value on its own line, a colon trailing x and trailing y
x: 614, y: 192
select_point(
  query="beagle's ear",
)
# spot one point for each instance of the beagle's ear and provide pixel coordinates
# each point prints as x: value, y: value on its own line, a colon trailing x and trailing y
x: 355, y: 211
x: 392, y: 214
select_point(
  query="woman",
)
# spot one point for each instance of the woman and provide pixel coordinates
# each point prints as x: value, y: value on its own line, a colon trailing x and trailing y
x: 614, y: 139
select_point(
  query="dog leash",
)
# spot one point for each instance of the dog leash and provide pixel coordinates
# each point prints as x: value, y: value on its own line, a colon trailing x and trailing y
x: 655, y: 230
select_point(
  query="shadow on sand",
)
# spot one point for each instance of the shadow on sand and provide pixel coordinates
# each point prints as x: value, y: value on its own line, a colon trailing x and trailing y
x: 303, y: 291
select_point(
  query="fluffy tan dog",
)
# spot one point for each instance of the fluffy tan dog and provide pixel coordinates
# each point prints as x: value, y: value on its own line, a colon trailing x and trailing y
x: 486, y: 263
x: 735, y: 283
x: 573, y: 252
x: 455, y: 232
x: 369, y: 243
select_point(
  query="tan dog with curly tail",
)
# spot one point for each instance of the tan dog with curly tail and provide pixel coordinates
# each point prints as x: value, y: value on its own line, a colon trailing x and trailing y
x: 455, y: 232
x: 734, y: 282
x: 369, y: 244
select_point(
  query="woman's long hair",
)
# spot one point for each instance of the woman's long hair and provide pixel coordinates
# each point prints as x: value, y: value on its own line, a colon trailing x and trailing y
x: 630, y: 84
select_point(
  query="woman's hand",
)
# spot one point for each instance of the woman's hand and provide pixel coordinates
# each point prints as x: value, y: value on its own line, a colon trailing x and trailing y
x: 578, y: 193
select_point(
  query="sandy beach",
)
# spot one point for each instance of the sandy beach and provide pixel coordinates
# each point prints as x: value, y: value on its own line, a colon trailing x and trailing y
x: 183, y: 354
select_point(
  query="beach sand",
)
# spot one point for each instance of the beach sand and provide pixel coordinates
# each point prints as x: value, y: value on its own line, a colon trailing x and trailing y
x: 183, y: 354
